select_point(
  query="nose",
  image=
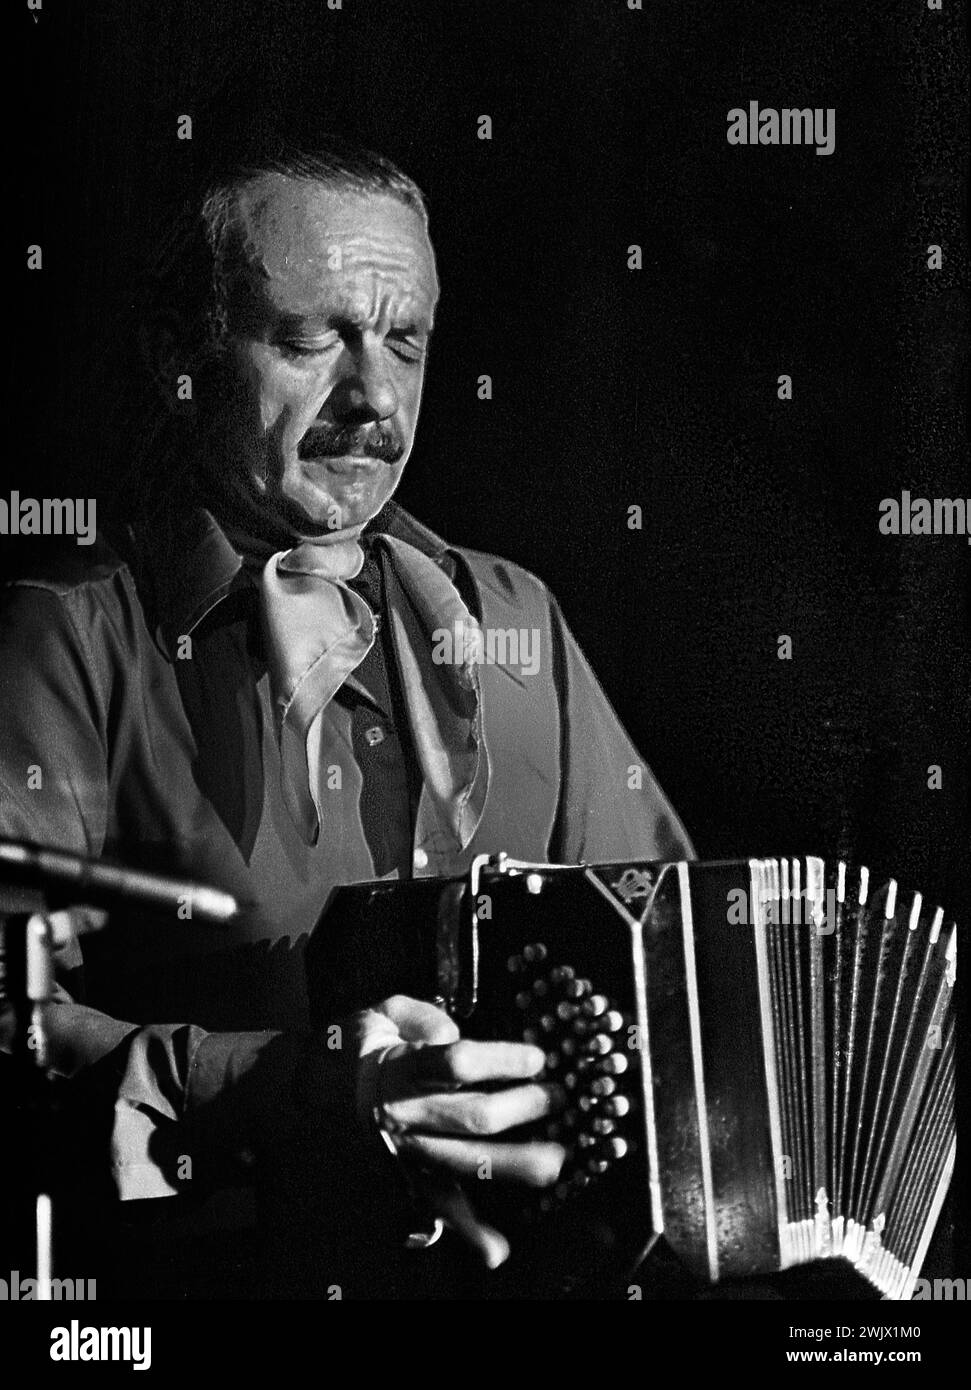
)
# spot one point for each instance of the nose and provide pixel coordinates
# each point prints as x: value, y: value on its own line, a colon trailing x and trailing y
x: 363, y: 392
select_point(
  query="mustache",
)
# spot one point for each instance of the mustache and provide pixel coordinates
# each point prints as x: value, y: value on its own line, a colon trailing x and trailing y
x: 376, y: 441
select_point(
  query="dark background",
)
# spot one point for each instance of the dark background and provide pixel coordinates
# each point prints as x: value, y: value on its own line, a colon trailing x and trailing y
x: 611, y: 387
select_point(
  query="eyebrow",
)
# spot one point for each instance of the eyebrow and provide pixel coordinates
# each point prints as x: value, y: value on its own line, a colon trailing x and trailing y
x: 289, y: 323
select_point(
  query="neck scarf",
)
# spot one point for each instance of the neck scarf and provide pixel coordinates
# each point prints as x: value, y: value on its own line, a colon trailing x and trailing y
x: 317, y: 631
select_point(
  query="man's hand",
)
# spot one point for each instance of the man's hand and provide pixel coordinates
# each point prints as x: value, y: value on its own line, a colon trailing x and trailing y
x: 424, y: 1084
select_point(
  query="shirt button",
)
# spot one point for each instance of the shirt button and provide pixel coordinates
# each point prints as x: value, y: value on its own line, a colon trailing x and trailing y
x: 374, y: 735
x: 420, y: 859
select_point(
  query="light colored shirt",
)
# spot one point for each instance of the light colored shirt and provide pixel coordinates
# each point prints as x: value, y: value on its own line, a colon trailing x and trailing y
x: 138, y: 723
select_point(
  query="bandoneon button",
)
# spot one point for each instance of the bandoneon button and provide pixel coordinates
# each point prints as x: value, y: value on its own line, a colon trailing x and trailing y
x: 419, y: 859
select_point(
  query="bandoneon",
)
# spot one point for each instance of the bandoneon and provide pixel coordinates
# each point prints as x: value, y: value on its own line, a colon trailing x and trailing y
x: 757, y: 1056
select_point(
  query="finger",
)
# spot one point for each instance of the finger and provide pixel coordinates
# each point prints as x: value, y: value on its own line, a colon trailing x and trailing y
x: 535, y: 1165
x: 373, y: 1032
x: 475, y: 1112
x: 385, y: 1035
x: 418, y: 1021
x: 447, y: 1200
x: 466, y: 1063
x: 67, y: 923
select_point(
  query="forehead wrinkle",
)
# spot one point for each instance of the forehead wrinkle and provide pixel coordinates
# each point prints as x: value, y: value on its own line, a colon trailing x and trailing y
x: 385, y: 252
x: 288, y: 246
x: 359, y: 297
x: 311, y: 238
x: 381, y: 303
x: 361, y: 277
x: 359, y: 304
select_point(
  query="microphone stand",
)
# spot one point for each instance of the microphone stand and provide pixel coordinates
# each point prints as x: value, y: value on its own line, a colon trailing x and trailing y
x: 26, y: 941
x: 35, y: 883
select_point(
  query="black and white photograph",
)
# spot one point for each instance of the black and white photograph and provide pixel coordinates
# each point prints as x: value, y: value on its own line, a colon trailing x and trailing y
x: 484, y: 671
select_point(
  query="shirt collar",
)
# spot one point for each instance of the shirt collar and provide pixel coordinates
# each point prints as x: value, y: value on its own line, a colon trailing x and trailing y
x: 186, y: 565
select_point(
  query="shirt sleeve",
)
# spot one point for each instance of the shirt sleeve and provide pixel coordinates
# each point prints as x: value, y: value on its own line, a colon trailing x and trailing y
x: 55, y: 751
x: 611, y: 806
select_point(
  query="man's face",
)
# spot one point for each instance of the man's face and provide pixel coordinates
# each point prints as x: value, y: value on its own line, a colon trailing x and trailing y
x: 328, y: 334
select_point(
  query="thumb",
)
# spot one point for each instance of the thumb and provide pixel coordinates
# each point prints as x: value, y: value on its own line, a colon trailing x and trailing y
x: 447, y: 1200
x: 417, y: 1021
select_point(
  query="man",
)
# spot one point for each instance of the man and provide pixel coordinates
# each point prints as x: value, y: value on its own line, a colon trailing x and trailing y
x: 250, y: 688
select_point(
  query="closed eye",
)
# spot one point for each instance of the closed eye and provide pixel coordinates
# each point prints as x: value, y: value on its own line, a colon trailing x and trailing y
x: 402, y: 342
x: 404, y: 345
x: 298, y: 347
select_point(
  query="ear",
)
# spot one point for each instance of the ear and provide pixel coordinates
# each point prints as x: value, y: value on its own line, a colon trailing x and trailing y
x: 163, y: 342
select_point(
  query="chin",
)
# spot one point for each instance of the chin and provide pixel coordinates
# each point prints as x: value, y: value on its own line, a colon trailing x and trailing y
x: 354, y: 505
